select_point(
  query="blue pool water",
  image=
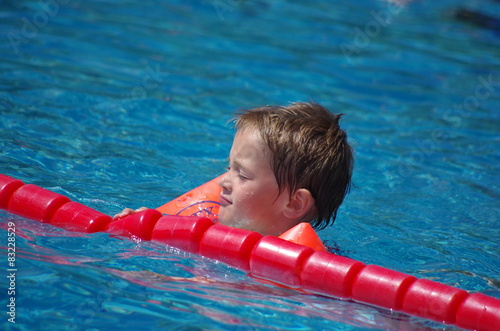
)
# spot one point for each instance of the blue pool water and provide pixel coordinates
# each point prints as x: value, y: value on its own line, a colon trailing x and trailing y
x: 125, y: 103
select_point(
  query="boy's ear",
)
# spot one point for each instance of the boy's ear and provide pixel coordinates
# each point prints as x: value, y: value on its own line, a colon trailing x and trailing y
x: 301, y: 203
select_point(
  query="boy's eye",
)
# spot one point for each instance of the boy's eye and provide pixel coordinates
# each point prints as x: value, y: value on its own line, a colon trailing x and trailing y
x: 239, y: 172
x: 242, y: 176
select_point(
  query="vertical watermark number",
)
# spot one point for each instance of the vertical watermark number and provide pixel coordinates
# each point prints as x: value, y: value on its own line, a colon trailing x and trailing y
x: 11, y: 272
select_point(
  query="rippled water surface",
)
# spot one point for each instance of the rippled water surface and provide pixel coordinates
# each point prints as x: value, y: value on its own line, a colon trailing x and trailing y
x: 125, y: 103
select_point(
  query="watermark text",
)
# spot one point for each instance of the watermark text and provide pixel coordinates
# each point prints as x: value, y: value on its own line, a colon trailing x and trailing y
x: 11, y: 272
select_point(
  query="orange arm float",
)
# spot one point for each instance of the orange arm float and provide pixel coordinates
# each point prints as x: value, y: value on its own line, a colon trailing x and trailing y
x: 202, y: 201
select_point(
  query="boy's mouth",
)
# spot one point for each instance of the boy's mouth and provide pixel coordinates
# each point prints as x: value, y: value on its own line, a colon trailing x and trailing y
x: 224, y: 201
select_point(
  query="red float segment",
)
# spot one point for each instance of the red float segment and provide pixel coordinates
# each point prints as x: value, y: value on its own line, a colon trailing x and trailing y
x: 8, y: 186
x: 74, y: 216
x: 479, y: 312
x: 184, y: 232
x: 36, y: 203
x: 279, y: 260
x: 433, y: 300
x: 229, y: 245
x: 329, y: 274
x: 381, y: 287
x: 139, y: 224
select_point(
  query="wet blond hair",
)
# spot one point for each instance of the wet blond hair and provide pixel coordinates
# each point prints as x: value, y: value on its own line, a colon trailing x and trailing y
x: 309, y: 150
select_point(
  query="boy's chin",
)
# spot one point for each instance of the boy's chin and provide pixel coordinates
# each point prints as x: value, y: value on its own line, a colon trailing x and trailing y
x: 223, y: 216
x: 229, y: 219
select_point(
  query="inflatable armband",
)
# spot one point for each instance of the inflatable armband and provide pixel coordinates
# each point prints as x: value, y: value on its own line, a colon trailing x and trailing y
x: 202, y: 201
x: 304, y: 234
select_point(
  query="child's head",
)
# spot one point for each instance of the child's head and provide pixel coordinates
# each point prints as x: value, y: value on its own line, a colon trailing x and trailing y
x: 287, y: 165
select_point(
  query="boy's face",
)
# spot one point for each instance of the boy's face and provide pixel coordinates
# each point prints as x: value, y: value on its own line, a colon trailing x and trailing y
x: 250, y: 198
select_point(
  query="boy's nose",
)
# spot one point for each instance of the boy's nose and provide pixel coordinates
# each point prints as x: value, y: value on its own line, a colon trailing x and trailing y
x: 224, y: 182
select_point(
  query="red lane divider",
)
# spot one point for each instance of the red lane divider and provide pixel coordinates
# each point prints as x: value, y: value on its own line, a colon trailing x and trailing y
x: 139, y: 225
x: 330, y: 275
x: 230, y: 245
x: 479, y: 312
x: 8, y: 186
x: 381, y: 287
x: 434, y: 301
x: 266, y: 257
x: 35, y: 203
x: 74, y: 216
x: 184, y: 232
x: 279, y: 261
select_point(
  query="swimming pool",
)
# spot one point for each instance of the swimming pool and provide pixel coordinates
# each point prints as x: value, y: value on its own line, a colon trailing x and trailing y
x: 126, y: 104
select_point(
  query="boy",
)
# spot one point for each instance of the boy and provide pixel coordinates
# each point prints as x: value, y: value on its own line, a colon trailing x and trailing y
x: 288, y: 164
